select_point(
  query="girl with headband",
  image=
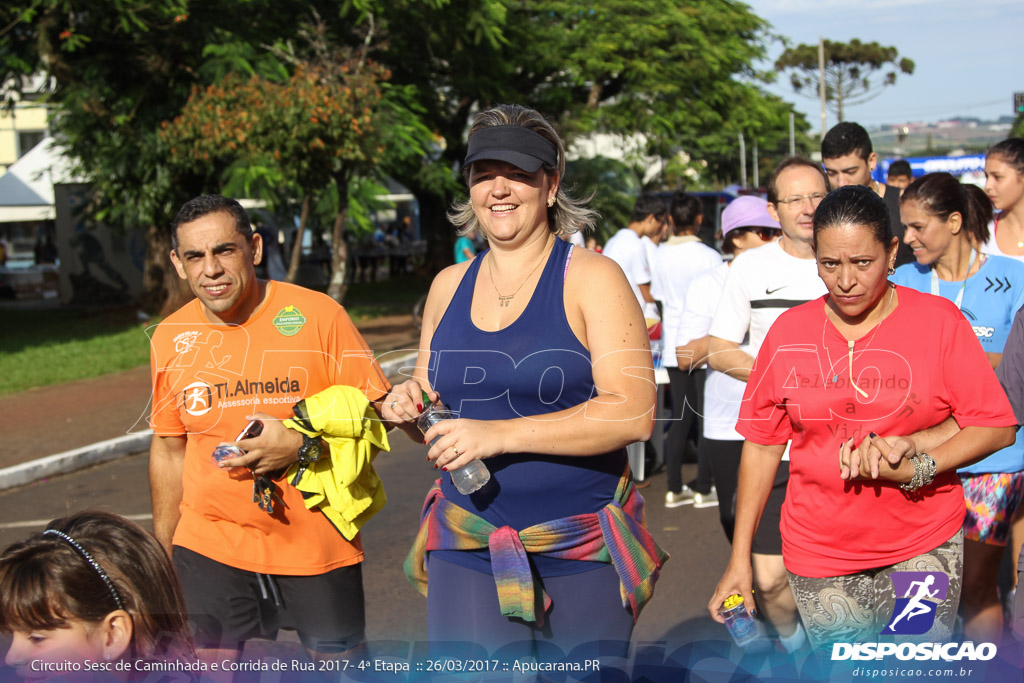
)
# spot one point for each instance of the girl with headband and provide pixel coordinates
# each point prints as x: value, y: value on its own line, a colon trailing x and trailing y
x: 93, y: 586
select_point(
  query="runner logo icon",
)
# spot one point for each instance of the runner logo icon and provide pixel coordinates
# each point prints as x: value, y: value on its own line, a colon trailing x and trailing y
x: 918, y: 595
x: 197, y: 398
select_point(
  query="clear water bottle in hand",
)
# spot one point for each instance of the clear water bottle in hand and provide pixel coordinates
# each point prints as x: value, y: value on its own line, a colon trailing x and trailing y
x: 656, y: 354
x: 742, y: 626
x: 468, y: 478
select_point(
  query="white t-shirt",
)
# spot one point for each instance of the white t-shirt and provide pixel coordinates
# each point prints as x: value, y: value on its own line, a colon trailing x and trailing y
x: 676, y: 264
x: 651, y: 249
x: 761, y: 285
x: 722, y: 394
x: 626, y: 249
x: 992, y: 247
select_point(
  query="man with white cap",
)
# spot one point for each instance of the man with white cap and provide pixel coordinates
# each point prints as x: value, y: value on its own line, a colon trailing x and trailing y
x: 762, y: 284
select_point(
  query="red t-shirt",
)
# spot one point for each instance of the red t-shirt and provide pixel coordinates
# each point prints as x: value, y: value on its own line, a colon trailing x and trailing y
x: 920, y: 365
x: 207, y: 378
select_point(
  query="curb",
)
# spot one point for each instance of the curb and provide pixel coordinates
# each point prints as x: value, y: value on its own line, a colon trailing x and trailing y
x: 111, y: 449
x: 69, y: 461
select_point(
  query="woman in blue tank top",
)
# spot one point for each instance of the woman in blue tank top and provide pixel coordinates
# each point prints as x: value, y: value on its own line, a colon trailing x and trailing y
x: 541, y: 351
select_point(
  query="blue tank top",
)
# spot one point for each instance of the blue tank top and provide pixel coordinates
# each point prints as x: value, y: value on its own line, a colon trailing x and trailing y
x: 536, y: 365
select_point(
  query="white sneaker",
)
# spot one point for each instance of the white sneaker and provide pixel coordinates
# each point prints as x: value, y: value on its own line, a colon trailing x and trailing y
x: 706, y: 500
x: 684, y: 497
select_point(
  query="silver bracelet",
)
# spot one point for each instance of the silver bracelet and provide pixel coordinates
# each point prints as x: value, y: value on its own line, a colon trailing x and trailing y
x: 928, y: 469
x: 915, y: 481
x: 924, y: 472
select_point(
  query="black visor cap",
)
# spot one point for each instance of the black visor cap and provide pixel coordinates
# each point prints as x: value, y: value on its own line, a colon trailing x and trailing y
x: 521, y: 147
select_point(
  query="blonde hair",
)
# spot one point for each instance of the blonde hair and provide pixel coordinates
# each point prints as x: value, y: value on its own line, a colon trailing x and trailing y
x: 567, y: 215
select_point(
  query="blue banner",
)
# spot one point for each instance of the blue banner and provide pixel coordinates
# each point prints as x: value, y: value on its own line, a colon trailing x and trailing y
x: 971, y: 163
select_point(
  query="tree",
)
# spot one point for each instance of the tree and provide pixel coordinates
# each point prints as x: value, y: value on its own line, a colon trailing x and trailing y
x: 762, y: 118
x: 328, y: 123
x: 613, y: 187
x: 118, y: 70
x: 1017, y: 131
x: 855, y: 72
x: 671, y: 71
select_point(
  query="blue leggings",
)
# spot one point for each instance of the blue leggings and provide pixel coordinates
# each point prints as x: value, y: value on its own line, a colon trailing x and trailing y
x: 463, y: 617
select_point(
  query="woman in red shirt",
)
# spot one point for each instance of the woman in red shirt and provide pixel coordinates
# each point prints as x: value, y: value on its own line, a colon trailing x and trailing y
x: 868, y: 358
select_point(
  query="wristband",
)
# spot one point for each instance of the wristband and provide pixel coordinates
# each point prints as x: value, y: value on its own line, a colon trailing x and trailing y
x: 313, y: 447
x: 301, y: 417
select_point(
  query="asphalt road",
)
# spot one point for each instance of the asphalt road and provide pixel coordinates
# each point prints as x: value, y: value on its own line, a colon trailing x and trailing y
x: 396, y: 613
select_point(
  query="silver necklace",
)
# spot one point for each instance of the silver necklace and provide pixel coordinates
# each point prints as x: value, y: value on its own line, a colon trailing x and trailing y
x: 850, y: 343
x: 505, y: 299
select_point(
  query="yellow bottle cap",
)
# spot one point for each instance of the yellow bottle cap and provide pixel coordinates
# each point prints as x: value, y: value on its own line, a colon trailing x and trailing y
x: 732, y: 601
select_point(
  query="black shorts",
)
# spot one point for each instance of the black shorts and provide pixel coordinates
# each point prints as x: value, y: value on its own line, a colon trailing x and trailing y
x: 227, y: 606
x: 768, y: 538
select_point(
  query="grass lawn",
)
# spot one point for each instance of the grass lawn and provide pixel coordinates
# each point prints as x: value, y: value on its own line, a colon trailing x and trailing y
x: 51, y: 346
x: 44, y: 347
x: 394, y: 296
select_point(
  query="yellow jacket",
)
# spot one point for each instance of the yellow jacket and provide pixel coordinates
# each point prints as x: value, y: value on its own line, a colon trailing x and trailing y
x: 345, y: 487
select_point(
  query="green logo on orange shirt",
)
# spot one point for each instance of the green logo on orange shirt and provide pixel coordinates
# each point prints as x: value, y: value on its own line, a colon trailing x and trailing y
x: 289, y: 320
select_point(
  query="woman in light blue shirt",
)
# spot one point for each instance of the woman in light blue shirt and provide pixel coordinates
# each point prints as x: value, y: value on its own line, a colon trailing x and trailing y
x: 946, y: 225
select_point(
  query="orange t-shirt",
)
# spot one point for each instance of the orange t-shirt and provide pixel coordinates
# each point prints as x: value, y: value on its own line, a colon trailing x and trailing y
x: 207, y: 378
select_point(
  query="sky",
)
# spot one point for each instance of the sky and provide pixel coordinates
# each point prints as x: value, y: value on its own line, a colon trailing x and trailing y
x: 966, y: 54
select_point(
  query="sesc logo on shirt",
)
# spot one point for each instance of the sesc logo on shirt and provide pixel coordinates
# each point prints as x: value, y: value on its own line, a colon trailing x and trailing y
x: 918, y: 596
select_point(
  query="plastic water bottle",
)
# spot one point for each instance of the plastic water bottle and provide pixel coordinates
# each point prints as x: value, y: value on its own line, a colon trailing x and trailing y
x: 741, y: 625
x: 656, y: 354
x: 468, y: 478
x: 657, y: 345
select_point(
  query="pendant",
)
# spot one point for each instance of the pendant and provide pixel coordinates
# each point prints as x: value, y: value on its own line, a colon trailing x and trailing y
x: 835, y: 378
x: 504, y: 301
x: 1020, y: 245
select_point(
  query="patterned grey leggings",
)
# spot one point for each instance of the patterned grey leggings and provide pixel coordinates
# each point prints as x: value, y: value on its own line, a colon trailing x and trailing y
x: 857, y: 607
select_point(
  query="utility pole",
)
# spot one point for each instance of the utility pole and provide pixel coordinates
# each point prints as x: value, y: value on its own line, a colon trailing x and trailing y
x: 757, y: 181
x: 743, y: 162
x: 821, y: 84
x: 792, y: 134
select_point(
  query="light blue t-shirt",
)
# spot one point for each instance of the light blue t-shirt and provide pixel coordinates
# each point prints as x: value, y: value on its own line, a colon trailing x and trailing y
x: 990, y: 301
x: 461, y: 245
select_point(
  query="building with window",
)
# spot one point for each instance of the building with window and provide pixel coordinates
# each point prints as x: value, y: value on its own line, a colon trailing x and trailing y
x: 24, y: 125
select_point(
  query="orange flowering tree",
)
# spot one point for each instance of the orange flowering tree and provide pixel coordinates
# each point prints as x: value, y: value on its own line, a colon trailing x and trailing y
x: 326, y: 125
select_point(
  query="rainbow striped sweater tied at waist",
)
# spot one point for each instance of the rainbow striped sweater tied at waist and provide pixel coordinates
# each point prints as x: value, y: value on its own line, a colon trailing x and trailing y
x: 617, y: 534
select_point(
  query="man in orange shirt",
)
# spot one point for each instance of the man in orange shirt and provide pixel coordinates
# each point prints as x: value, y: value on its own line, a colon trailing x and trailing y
x: 250, y: 349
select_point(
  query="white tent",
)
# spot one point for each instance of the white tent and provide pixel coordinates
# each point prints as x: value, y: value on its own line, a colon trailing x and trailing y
x: 26, y: 190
